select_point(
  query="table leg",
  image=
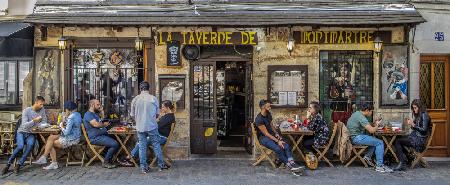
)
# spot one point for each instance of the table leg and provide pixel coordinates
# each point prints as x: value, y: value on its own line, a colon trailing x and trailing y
x: 389, y: 147
x: 41, y: 136
x: 124, y: 148
x: 300, y: 139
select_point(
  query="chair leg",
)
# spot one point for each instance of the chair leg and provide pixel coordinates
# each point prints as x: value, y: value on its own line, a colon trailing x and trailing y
x: 416, y: 160
x: 68, y: 157
x: 82, y: 157
x: 322, y: 156
x: 357, y: 156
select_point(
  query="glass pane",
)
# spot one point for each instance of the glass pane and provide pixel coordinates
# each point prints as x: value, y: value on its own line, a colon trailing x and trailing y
x: 12, y: 81
x: 425, y: 84
x: 2, y: 83
x: 346, y: 81
x: 203, y: 92
x: 24, y: 69
x: 439, y: 85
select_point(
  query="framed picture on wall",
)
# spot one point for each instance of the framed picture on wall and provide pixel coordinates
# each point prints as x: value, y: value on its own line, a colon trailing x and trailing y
x: 47, y: 75
x: 172, y: 87
x: 287, y: 86
x: 394, y: 76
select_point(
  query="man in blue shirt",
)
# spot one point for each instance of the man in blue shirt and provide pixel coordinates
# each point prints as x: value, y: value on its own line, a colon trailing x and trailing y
x: 144, y: 110
x: 98, y: 133
x: 268, y: 137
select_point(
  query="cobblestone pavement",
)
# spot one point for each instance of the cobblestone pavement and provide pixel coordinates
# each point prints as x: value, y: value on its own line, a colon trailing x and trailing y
x: 225, y: 171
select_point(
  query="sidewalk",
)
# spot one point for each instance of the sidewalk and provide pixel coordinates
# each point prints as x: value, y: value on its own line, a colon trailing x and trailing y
x: 224, y: 172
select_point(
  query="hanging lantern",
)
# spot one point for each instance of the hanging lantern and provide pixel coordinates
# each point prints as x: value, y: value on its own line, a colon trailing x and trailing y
x: 290, y: 44
x: 378, y: 44
x: 62, y: 43
x: 138, y: 44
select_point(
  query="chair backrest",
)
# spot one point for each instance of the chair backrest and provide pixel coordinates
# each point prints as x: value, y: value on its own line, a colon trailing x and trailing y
x: 333, y: 134
x: 169, y: 137
x: 430, y: 137
x: 255, y: 137
x: 83, y: 129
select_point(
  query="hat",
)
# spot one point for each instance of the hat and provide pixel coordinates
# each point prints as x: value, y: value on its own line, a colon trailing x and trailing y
x: 70, y: 105
x: 263, y: 102
x: 144, y: 86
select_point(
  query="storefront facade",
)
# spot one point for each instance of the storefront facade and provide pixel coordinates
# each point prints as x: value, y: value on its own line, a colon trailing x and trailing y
x: 217, y: 71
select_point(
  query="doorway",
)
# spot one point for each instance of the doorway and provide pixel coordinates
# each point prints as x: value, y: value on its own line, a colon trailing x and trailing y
x: 221, y: 107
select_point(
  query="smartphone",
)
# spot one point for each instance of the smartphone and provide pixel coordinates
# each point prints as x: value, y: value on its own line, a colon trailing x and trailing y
x: 105, y: 120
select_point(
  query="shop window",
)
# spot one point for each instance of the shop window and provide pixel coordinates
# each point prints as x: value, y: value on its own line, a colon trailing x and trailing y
x: 12, y: 74
x: 346, y: 81
x: 109, y: 75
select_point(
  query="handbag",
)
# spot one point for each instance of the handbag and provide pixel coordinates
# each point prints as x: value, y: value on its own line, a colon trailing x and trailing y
x: 311, y: 161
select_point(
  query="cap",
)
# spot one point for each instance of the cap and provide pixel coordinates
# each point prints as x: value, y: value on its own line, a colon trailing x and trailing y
x: 70, y: 105
x: 263, y: 102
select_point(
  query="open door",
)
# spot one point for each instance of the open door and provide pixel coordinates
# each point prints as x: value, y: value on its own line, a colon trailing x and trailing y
x: 249, y: 109
x: 203, y: 108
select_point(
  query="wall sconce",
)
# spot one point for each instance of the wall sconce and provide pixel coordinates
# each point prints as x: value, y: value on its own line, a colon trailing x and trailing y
x: 290, y: 42
x: 138, y: 43
x: 378, y: 45
x: 62, y: 41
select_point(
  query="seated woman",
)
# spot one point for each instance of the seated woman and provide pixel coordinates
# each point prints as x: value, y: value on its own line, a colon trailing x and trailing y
x: 70, y: 135
x: 318, y: 126
x: 417, y: 139
x: 164, y: 125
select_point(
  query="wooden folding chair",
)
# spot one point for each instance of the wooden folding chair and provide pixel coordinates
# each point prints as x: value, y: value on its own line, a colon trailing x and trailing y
x: 322, y: 151
x: 266, y: 154
x: 167, y: 159
x: 30, y: 158
x: 71, y: 157
x: 357, y: 150
x: 96, y: 149
x: 419, y: 155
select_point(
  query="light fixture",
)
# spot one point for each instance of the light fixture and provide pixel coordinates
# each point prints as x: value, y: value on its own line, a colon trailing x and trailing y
x: 290, y: 42
x: 138, y: 43
x: 62, y: 41
x: 378, y: 45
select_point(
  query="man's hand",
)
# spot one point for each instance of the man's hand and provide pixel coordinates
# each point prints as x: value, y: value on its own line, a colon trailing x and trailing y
x: 281, y: 144
x: 377, y: 123
x: 105, y: 124
x: 37, y: 119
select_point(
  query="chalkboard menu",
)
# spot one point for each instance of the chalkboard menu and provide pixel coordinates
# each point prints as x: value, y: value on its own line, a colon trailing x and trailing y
x: 173, y: 53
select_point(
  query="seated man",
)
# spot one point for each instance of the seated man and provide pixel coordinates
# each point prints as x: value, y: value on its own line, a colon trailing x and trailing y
x: 31, y: 117
x: 272, y: 140
x: 97, y: 132
x: 357, y: 126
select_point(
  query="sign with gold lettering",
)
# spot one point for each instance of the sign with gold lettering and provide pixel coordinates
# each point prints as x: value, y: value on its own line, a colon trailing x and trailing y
x: 340, y: 37
x: 210, y: 38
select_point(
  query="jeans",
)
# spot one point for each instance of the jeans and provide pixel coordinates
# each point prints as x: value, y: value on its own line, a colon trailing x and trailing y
x: 135, y: 151
x: 308, y: 143
x: 109, y: 142
x: 21, y: 138
x: 375, y: 145
x: 285, y: 155
x: 400, y: 144
x: 155, y: 141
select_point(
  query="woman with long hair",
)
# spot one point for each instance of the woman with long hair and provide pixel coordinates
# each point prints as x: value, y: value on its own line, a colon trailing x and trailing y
x: 317, y: 124
x: 420, y: 125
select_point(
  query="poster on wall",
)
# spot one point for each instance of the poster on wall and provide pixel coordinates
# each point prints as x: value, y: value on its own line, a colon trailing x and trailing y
x: 172, y: 87
x: 47, y: 75
x: 394, y: 71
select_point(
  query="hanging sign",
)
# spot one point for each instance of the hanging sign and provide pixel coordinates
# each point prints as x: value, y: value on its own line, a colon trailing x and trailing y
x: 209, y: 38
x: 173, y: 53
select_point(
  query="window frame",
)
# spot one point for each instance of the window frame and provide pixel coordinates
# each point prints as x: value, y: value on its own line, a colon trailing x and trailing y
x: 17, y: 60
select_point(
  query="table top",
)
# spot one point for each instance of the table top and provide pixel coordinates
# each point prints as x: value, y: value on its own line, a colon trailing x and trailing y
x: 390, y: 133
x: 297, y: 132
x: 118, y: 130
x: 48, y: 130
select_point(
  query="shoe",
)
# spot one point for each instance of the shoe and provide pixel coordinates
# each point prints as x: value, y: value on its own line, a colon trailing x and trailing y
x: 5, y: 169
x: 164, y: 167
x: 108, y: 165
x: 369, y: 162
x: 41, y: 160
x: 295, y: 167
x: 145, y: 170
x: 400, y: 167
x: 52, y: 166
x: 17, y: 169
x: 383, y: 169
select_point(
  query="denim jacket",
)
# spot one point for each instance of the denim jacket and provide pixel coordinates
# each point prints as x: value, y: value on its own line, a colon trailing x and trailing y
x: 72, y: 131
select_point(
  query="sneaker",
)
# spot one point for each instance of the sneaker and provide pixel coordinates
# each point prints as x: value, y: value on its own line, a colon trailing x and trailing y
x: 368, y: 161
x: 295, y: 167
x: 5, y: 169
x: 41, y: 160
x: 145, y: 170
x: 108, y: 165
x: 52, y: 166
x: 164, y: 167
x: 17, y: 169
x: 383, y: 169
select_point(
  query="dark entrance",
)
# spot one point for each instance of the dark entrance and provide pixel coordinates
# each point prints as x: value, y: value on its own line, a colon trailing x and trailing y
x: 221, y: 105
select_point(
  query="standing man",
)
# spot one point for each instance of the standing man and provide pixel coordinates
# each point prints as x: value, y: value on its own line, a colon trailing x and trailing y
x: 144, y: 110
x: 272, y: 140
x: 98, y: 133
x: 357, y: 126
x: 31, y: 117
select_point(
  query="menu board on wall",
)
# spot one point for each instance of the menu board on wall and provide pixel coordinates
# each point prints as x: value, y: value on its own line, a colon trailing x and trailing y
x: 173, y: 53
x: 287, y: 85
